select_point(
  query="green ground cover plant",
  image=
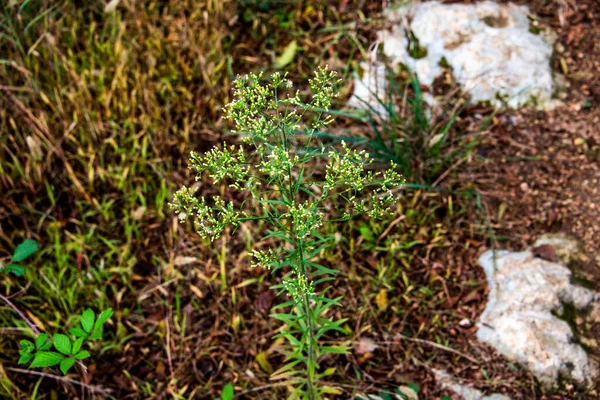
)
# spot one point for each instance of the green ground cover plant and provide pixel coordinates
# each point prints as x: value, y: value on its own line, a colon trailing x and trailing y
x: 294, y: 186
x: 68, y: 350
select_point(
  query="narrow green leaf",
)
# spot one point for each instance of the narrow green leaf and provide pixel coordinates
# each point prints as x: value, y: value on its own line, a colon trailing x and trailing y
x: 87, y: 320
x: 82, y: 354
x: 66, y: 364
x: 334, y: 350
x: 227, y: 393
x: 25, y: 249
x: 62, y: 343
x: 46, y: 359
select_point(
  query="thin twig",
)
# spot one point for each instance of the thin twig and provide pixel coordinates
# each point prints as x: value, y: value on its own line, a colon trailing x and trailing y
x: 434, y: 344
x: 23, y: 317
x: 96, y: 389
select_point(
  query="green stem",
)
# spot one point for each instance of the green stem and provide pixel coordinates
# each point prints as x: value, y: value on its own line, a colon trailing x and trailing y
x: 311, y: 359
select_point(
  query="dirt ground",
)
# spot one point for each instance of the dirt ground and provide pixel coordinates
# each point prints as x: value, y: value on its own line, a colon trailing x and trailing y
x: 536, y: 172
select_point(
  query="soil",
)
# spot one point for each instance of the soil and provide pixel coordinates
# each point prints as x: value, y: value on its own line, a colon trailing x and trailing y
x: 536, y: 172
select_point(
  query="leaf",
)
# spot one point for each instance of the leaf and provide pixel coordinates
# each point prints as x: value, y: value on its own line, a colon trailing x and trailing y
x: 330, y: 390
x: 46, y: 359
x: 25, y: 249
x: 103, y: 317
x: 436, y: 139
x: 66, y: 364
x: 82, y: 354
x: 26, y: 346
x: 15, y: 269
x: 366, y: 232
x: 227, y: 393
x: 96, y: 335
x: 25, y: 358
x: 288, y: 55
x: 41, y: 340
x: 364, y: 346
x: 382, y: 300
x: 77, y: 332
x: 87, y: 320
x: 77, y: 345
x: 261, y: 359
x: 62, y: 343
x: 111, y: 6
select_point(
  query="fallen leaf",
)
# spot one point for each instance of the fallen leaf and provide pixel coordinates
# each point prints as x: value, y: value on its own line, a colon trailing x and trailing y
x: 111, y: 6
x: 288, y: 55
x: 196, y: 291
x: 382, y: 300
x: 365, y: 345
x: 261, y: 359
x: 139, y: 212
x: 183, y: 260
x: 472, y: 296
x: 545, y: 252
x: 265, y: 300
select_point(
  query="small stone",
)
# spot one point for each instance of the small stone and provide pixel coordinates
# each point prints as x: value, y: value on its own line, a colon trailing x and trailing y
x: 465, y: 323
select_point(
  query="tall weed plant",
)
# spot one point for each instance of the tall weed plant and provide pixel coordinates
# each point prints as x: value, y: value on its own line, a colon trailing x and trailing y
x: 294, y: 185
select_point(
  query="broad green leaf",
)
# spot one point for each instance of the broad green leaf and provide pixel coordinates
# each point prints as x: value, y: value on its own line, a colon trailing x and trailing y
x: 62, y: 343
x: 46, y: 359
x: 26, y: 346
x: 227, y: 393
x: 82, y: 354
x: 77, y: 332
x: 15, y: 269
x: 96, y: 335
x: 87, y: 320
x: 103, y: 317
x: 25, y: 358
x: 24, y: 250
x: 66, y: 364
x: 77, y: 345
x: 41, y: 340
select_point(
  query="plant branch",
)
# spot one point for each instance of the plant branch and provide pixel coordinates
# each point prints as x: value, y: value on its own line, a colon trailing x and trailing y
x: 23, y: 317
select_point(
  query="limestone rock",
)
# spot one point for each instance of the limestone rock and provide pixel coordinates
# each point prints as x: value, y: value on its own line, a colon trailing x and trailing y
x: 488, y: 45
x: 466, y: 392
x: 518, y: 319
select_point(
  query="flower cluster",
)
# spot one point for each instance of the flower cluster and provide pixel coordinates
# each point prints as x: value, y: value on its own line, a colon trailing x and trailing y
x: 347, y: 169
x: 298, y: 287
x: 209, y: 221
x: 322, y: 87
x: 264, y: 259
x: 221, y: 164
x: 278, y: 164
x: 305, y: 218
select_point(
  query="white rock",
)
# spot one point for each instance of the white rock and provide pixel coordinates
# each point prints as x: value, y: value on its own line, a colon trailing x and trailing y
x: 518, y: 319
x: 370, y: 91
x: 466, y: 392
x: 488, y: 45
